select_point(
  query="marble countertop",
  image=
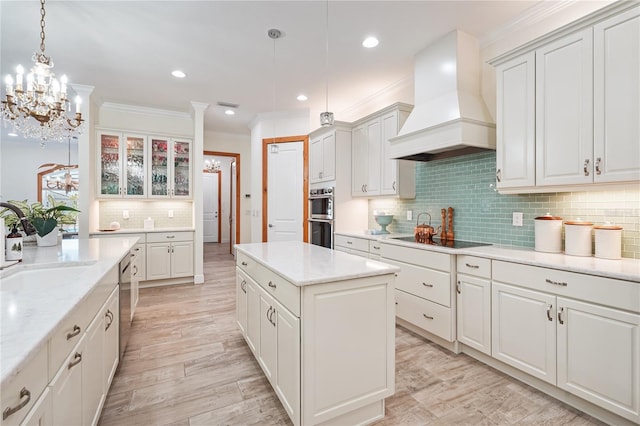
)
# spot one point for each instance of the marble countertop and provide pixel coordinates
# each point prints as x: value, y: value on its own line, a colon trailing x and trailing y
x: 37, y: 294
x: 306, y: 264
x: 623, y: 269
x: 141, y: 231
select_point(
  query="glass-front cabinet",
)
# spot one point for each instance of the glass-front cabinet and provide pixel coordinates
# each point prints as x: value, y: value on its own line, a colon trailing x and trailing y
x: 159, y: 177
x: 170, y: 168
x: 122, y: 165
x: 181, y: 168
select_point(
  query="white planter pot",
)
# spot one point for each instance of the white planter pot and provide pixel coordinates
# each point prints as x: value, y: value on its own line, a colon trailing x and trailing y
x: 51, y: 239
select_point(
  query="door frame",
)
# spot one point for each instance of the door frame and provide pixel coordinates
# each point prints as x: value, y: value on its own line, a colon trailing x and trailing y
x: 219, y: 201
x: 305, y: 181
x: 237, y: 159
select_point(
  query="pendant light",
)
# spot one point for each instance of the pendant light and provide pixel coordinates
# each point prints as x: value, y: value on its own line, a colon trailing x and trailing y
x: 326, y: 117
x: 274, y: 34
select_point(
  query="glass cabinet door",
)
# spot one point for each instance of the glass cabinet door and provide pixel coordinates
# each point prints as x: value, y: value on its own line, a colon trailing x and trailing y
x: 159, y: 178
x: 135, y: 165
x: 109, y: 164
x: 181, y: 169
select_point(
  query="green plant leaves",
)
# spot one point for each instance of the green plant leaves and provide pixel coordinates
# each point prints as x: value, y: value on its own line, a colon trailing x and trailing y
x: 44, y: 226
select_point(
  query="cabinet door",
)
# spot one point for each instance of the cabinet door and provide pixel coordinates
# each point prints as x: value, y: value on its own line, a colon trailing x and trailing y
x: 111, y: 337
x: 268, y: 345
x: 315, y: 161
x: 287, y: 384
x: 374, y: 157
x: 40, y: 414
x: 359, y: 161
x: 617, y: 98
x: 329, y: 156
x: 564, y: 111
x: 253, y: 316
x: 140, y: 250
x: 158, y: 184
x: 474, y: 312
x: 66, y: 390
x: 390, y: 184
x: 599, y: 356
x: 134, y: 166
x: 516, y: 103
x: 158, y: 261
x: 524, y: 331
x: 241, y: 302
x: 182, y: 259
x: 93, y: 380
x: 181, y: 172
x: 110, y: 165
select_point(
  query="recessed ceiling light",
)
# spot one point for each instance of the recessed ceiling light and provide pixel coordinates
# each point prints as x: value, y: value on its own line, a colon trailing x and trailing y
x: 178, y: 74
x: 370, y: 42
x: 12, y: 134
x: 302, y: 98
x: 229, y: 112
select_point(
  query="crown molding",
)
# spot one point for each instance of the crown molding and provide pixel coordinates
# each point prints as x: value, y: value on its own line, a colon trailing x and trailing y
x: 113, y: 106
x: 356, y: 109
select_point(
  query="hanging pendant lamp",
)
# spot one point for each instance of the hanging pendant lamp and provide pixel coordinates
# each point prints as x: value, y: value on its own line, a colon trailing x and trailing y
x: 326, y: 117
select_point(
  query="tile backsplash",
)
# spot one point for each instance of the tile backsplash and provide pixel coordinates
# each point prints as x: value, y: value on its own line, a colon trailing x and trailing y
x: 111, y: 211
x: 482, y: 214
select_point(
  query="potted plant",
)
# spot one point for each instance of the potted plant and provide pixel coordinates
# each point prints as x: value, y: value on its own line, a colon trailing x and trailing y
x: 44, y: 219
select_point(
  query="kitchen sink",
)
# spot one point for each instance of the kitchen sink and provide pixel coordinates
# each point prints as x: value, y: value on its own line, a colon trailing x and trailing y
x: 56, y: 274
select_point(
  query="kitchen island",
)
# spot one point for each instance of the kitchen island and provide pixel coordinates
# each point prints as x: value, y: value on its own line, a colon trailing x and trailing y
x: 59, y: 311
x: 321, y: 324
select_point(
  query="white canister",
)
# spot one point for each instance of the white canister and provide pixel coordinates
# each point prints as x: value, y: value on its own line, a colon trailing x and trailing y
x: 548, y: 231
x: 148, y: 223
x: 577, y: 237
x: 608, y: 241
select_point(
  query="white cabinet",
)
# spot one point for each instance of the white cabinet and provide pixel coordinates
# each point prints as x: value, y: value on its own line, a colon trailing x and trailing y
x: 616, y: 56
x: 40, y: 414
x: 241, y: 301
x: 515, y: 108
x: 473, y: 305
x: 111, y: 337
x: 578, y: 332
x: 253, y: 315
x: 373, y: 172
x: 122, y: 159
x: 352, y: 245
x: 66, y: 390
x: 169, y: 255
x: 322, y: 162
x: 169, y: 167
x: 138, y: 273
x: 576, y: 92
x: 93, y: 370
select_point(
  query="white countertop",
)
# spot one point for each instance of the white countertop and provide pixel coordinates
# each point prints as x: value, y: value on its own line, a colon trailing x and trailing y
x: 35, y: 299
x: 141, y: 231
x: 623, y: 269
x: 306, y: 264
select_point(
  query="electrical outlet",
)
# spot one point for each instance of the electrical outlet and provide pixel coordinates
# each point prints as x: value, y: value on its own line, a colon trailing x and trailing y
x: 409, y: 214
x: 517, y: 219
x: 125, y: 214
x: 170, y: 213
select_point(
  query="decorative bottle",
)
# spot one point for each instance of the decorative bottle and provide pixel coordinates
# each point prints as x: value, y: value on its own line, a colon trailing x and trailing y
x: 14, y: 245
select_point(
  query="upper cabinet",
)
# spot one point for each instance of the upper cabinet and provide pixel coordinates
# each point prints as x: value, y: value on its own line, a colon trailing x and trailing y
x: 322, y: 164
x: 568, y: 106
x: 373, y: 173
x: 141, y: 166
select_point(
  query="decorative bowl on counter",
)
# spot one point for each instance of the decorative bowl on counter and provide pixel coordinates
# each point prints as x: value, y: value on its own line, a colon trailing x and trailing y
x: 383, y: 220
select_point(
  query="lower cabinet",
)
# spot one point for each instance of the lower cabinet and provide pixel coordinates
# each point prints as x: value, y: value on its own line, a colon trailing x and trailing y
x: 474, y: 312
x: 66, y: 389
x: 169, y: 260
x: 40, y: 414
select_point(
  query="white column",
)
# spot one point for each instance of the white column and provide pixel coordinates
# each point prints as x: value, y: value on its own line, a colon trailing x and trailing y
x: 86, y: 165
x: 198, y: 109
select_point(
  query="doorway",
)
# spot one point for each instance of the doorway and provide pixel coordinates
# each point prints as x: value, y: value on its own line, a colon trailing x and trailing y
x: 211, y: 215
x: 229, y: 211
x: 285, y: 188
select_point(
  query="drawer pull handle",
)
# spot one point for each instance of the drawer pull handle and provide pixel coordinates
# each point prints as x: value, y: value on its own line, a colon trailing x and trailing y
x: 427, y: 285
x: 24, y: 392
x: 458, y: 287
x: 244, y: 263
x: 349, y: 242
x: 109, y: 316
x: 427, y: 316
x: 243, y: 286
x: 272, y: 285
x: 171, y: 236
x: 376, y: 247
x: 560, y: 315
x: 269, y: 313
x: 549, y: 317
x: 598, y: 161
x: 76, y: 360
x: 468, y: 265
x: 585, y: 167
x: 273, y: 311
x: 74, y: 333
x: 563, y: 284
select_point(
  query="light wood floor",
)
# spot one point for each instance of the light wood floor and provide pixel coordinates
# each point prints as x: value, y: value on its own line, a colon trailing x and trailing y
x: 187, y: 364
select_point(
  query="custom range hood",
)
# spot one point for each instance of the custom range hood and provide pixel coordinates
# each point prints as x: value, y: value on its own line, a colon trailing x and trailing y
x: 449, y: 118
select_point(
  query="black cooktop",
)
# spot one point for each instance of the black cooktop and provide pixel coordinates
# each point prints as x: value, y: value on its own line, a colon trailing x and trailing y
x: 456, y: 244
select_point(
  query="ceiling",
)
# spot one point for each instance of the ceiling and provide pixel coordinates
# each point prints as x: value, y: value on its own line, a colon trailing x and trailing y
x: 127, y: 49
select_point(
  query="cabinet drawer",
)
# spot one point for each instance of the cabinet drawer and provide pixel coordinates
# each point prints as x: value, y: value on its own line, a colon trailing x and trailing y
x: 375, y: 247
x: 67, y: 336
x: 476, y: 266
x: 353, y: 243
x: 429, y: 316
x: 604, y: 291
x: 33, y: 377
x: 423, y: 282
x: 416, y: 256
x: 162, y: 237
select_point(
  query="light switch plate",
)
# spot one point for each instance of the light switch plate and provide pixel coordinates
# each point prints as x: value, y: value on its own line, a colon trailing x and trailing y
x: 170, y: 213
x: 517, y: 219
x: 409, y: 214
x: 125, y: 214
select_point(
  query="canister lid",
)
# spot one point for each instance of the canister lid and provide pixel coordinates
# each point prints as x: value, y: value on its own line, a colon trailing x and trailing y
x: 548, y: 217
x: 608, y: 226
x: 578, y: 222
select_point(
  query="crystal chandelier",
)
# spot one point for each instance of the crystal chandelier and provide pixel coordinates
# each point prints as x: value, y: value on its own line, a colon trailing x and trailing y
x: 212, y: 166
x: 40, y: 109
